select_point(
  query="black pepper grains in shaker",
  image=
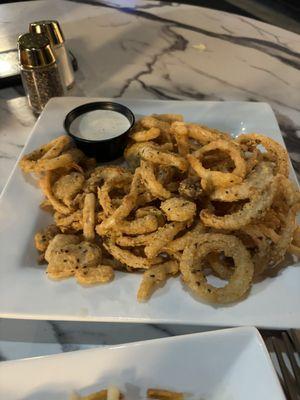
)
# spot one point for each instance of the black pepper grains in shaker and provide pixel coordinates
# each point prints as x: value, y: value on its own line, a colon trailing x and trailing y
x: 40, y: 85
x: 39, y: 71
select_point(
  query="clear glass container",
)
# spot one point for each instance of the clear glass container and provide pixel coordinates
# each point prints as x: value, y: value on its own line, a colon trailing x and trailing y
x: 39, y: 71
x: 54, y: 33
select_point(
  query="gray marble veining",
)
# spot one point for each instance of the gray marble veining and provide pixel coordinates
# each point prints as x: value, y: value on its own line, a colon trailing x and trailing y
x: 146, y: 49
x: 26, y: 338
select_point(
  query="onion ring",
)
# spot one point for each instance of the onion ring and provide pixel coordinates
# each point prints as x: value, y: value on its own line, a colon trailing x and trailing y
x: 144, y: 136
x: 67, y: 187
x: 294, y: 247
x: 168, y: 117
x: 45, y: 205
x: 253, y: 160
x: 258, y: 179
x: 139, y: 226
x: 204, y: 135
x: 278, y: 153
x: 46, y: 185
x: 296, y: 236
x: 260, y: 257
x: 128, y: 258
x: 155, y: 241
x: 128, y: 204
x: 217, y: 178
x: 151, y: 210
x: 219, y: 267
x: 155, y: 276
x: 190, y: 188
x: 180, y: 131
x: 154, y: 122
x: 151, y: 151
x: 104, y: 174
x: 284, y: 240
x: 180, y: 243
x: 151, y: 182
x: 155, y: 155
x: 42, y: 158
x: 239, y: 282
x: 68, y: 222
x: 134, y: 241
x: 255, y: 208
x: 88, y: 216
x: 103, y: 192
x: 178, y: 209
x: 162, y: 237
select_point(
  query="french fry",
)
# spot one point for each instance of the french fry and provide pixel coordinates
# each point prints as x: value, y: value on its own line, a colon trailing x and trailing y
x: 162, y: 394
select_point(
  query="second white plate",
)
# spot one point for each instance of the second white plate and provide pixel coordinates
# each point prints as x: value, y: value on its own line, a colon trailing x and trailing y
x: 230, y: 364
x: 25, y: 291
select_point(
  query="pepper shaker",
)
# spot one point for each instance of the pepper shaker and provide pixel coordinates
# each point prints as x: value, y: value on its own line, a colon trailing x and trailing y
x: 39, y: 71
x: 52, y: 30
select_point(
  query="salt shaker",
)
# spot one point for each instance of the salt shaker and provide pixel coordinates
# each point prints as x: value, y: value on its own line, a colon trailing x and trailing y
x: 39, y: 71
x: 52, y: 30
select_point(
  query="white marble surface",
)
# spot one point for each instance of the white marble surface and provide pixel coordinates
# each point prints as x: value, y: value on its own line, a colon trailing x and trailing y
x: 146, y: 49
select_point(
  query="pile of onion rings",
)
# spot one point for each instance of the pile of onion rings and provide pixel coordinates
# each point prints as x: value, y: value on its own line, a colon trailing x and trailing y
x: 191, y: 202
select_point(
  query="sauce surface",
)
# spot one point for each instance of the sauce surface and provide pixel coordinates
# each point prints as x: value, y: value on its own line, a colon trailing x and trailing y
x: 99, y: 125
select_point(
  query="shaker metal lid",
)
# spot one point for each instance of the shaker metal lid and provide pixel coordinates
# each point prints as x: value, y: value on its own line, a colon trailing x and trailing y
x: 35, y: 50
x: 49, y: 28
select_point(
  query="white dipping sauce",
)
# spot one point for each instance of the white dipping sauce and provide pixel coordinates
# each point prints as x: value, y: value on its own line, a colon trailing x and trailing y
x: 99, y: 125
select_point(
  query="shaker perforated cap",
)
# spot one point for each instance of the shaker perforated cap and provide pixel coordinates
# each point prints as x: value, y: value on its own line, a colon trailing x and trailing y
x: 49, y: 28
x: 35, y: 50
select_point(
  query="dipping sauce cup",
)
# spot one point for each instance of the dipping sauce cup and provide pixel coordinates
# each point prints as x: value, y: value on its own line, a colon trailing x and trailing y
x: 100, y: 129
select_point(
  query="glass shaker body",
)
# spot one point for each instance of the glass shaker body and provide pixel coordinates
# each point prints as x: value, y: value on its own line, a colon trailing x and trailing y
x: 40, y: 84
x: 39, y: 71
x: 64, y: 65
x: 52, y: 30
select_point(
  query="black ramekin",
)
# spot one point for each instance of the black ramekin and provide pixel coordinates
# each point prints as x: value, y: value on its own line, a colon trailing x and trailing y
x: 102, y: 150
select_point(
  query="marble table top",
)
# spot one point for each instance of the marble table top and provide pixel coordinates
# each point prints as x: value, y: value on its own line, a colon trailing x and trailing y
x: 146, y: 49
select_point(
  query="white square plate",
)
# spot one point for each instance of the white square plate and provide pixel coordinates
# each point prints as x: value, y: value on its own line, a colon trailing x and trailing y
x: 230, y: 364
x: 25, y: 291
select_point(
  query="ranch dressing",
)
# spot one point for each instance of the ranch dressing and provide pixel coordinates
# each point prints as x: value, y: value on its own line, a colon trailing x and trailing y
x: 100, y: 125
